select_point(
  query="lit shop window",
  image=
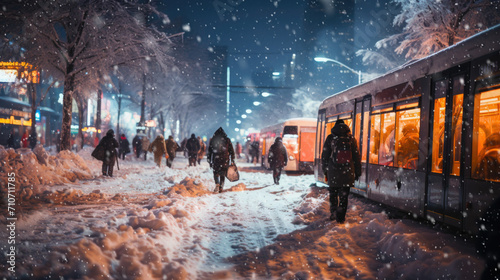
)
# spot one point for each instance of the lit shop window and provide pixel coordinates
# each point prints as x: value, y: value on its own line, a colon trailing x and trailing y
x: 486, y: 134
x: 407, y: 136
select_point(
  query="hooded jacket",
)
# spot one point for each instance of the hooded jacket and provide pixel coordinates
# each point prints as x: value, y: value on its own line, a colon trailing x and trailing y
x: 277, y: 156
x: 345, y: 175
x: 193, y: 145
x: 220, y: 150
x: 109, y: 144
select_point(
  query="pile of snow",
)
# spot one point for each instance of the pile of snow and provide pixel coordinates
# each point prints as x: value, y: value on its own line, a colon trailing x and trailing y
x: 35, y: 169
x: 187, y: 188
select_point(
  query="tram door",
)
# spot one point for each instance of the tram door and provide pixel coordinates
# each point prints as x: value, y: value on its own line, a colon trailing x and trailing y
x: 445, y: 189
x: 361, y: 131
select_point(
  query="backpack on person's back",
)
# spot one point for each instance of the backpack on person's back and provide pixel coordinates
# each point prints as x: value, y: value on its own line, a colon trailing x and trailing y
x: 341, y: 150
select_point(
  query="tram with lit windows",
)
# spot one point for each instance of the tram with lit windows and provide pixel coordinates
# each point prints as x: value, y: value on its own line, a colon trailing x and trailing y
x: 298, y: 136
x: 428, y: 133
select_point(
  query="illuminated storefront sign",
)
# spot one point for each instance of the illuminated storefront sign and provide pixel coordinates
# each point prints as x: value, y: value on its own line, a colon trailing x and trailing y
x: 10, y: 72
x: 37, y: 115
x: 150, y: 123
x: 90, y: 129
x: 8, y: 75
x: 13, y: 121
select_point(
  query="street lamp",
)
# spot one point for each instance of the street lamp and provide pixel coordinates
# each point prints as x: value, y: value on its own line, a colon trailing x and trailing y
x: 325, y: 59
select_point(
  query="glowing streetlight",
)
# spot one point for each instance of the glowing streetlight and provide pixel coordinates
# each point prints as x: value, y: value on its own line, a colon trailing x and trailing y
x: 256, y: 103
x: 266, y: 94
x: 325, y: 59
x: 248, y: 111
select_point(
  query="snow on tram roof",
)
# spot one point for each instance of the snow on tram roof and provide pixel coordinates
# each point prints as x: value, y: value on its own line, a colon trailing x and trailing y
x: 477, y: 45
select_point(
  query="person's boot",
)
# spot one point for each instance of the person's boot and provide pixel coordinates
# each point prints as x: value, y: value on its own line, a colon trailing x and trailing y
x: 217, y: 187
x: 333, y: 215
x: 220, y: 188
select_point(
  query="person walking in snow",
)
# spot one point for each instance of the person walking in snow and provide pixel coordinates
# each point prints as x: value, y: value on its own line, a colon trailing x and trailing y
x: 238, y: 150
x: 172, y: 147
x: 106, y: 151
x: 277, y: 158
x: 137, y: 145
x: 254, y: 152
x: 202, y: 151
x: 341, y: 164
x: 124, y: 147
x: 193, y: 147
x: 158, y: 149
x: 145, y: 145
x: 220, y: 154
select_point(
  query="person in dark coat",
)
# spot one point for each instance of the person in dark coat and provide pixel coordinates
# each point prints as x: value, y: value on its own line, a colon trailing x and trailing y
x: 109, y: 145
x: 11, y: 142
x: 341, y: 177
x: 220, y: 153
x: 277, y: 158
x: 192, y: 146
x: 172, y: 147
x: 254, y: 152
x: 137, y: 145
x: 124, y: 147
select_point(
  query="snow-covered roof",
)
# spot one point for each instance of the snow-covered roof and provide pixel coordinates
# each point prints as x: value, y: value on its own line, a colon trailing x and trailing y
x: 478, y: 45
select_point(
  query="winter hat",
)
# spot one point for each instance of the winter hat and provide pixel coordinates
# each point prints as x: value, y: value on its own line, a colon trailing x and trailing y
x: 193, y: 136
x: 110, y: 133
x: 278, y: 139
x: 339, y: 122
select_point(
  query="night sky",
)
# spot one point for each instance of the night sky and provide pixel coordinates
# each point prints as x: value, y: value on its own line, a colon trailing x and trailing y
x: 258, y: 33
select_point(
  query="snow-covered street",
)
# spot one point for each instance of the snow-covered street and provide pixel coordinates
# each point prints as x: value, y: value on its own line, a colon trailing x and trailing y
x: 161, y: 223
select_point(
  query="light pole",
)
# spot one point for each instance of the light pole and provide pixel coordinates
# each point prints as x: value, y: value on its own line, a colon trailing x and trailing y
x: 325, y: 59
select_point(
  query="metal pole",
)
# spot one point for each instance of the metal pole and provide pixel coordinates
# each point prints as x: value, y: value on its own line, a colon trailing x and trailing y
x: 143, y: 101
x: 228, y: 96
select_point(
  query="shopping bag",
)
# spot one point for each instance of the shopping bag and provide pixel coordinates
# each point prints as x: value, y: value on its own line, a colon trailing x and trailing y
x: 99, y: 152
x: 232, y: 173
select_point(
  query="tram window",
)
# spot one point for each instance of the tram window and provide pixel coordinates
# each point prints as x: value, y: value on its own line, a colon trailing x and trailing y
x: 357, y: 133
x: 290, y: 130
x: 486, y: 135
x: 374, y: 139
x: 386, y: 150
x: 456, y: 125
x: 407, y: 135
x: 438, y: 135
x: 365, y: 136
x: 348, y: 122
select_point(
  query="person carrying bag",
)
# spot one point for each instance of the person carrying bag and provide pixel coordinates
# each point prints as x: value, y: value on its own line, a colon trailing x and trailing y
x: 220, y: 154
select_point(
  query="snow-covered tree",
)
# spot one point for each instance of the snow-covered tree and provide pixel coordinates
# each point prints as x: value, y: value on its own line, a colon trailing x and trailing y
x: 74, y: 38
x: 429, y: 26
